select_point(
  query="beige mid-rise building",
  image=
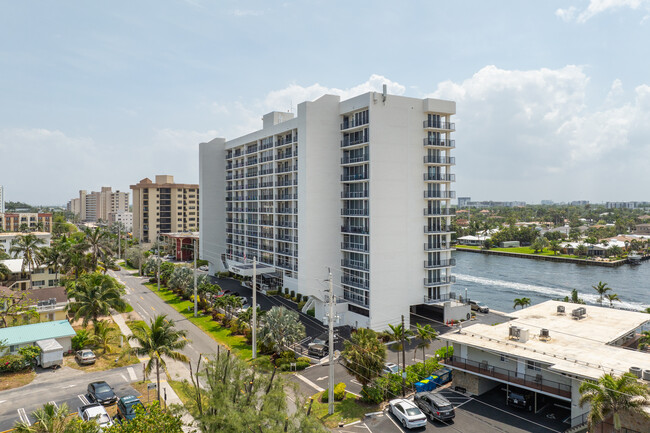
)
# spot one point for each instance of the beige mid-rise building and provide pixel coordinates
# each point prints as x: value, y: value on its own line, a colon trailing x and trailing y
x: 164, y: 207
x: 95, y: 206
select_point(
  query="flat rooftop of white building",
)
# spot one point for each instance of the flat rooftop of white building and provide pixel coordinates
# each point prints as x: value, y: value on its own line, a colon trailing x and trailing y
x: 580, y: 347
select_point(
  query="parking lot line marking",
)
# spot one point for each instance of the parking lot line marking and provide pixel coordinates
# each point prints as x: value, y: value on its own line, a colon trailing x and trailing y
x: 83, y: 399
x: 393, y: 421
x: 467, y: 401
x: 124, y: 377
x: 23, y: 416
x: 309, y: 382
x: 131, y: 372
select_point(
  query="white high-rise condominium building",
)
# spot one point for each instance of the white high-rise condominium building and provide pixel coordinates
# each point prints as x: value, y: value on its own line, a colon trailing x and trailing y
x: 361, y: 187
x: 2, y: 199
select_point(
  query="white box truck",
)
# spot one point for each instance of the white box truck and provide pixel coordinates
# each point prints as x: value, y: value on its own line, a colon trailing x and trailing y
x: 51, y: 353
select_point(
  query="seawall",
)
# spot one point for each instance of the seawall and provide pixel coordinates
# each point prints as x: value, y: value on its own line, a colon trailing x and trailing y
x: 613, y: 264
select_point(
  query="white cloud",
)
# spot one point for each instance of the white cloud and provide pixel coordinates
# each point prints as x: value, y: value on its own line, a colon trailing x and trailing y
x: 598, y: 6
x: 247, y: 12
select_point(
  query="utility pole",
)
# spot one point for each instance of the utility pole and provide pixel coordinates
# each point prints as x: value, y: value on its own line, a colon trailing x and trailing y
x: 119, y: 241
x: 158, y: 262
x: 196, y: 304
x: 254, y: 307
x: 403, y: 359
x: 330, y: 322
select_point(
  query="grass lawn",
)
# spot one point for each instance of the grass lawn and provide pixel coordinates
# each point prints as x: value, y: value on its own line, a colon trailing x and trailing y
x: 346, y: 411
x: 236, y: 343
x: 105, y: 361
x: 123, y: 265
x: 16, y: 380
x: 129, y: 308
x: 520, y: 250
x: 179, y: 389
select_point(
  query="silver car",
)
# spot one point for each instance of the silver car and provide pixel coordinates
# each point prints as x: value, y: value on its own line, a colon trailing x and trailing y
x: 85, y: 356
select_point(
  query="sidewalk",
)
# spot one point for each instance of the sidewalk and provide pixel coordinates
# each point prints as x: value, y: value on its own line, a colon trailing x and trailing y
x: 175, y: 370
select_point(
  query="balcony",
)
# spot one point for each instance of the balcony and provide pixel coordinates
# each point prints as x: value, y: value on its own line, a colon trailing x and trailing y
x: 432, y: 142
x: 354, y: 212
x: 286, y: 197
x: 442, y: 246
x: 439, y: 124
x: 360, y: 283
x: 352, y: 124
x: 268, y: 248
x: 439, y: 212
x: 354, y: 159
x: 536, y: 382
x: 439, y: 263
x: 439, y: 194
x: 283, y: 183
x: 286, y: 252
x: 251, y: 149
x: 266, y: 171
x: 251, y: 161
x: 346, y: 142
x: 442, y: 160
x: 354, y: 247
x: 266, y: 158
x: 437, y: 230
x: 252, y: 198
x: 354, y: 194
x: 286, y: 210
x: 286, y: 265
x: 286, y: 140
x: 266, y: 235
x: 355, y: 229
x: 288, y: 224
x: 352, y: 264
x: 439, y: 177
x: 441, y: 281
x: 284, y: 155
x: 354, y: 177
x: 441, y: 298
x: 252, y: 174
x: 266, y: 210
x: 285, y: 238
x: 266, y: 184
x: 266, y: 145
x: 252, y: 245
x: 252, y: 233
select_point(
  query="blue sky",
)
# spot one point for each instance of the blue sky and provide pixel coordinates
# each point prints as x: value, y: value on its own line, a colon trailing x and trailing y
x: 553, y: 97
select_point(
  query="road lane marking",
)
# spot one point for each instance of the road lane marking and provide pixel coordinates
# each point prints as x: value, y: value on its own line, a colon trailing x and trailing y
x: 68, y: 386
x: 83, y: 399
x: 124, y: 377
x: 23, y: 416
x: 2, y: 401
x: 309, y: 382
x: 321, y: 378
x: 53, y: 403
x: 141, y: 298
x: 131, y: 373
x: 152, y: 308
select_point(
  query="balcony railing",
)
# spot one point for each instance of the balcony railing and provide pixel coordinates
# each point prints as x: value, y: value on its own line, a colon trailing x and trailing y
x: 347, y: 142
x: 286, y: 210
x: 354, y: 212
x: 354, y: 194
x: 354, y: 159
x: 439, y: 124
x: 439, y: 263
x: 445, y: 160
x: 266, y: 171
x: 536, y: 382
x: 354, y: 247
x: 266, y: 158
x: 429, y: 282
x: 355, y: 230
x: 438, y: 212
x: 288, y: 224
x: 251, y: 161
x: 435, y: 230
x: 286, y: 196
x: 352, y: 264
x: 352, y: 124
x: 430, y: 141
x: 441, y: 298
x: 251, y: 149
x: 352, y: 177
x: 439, y: 194
x: 283, y: 155
x: 436, y: 246
x: 440, y: 177
x: 266, y: 235
x: 356, y: 282
x: 285, y: 238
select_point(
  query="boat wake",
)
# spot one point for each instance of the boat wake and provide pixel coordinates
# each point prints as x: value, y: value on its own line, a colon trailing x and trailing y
x: 549, y: 292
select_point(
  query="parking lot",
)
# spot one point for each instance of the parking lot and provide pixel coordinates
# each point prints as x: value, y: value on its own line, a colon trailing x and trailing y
x: 485, y: 414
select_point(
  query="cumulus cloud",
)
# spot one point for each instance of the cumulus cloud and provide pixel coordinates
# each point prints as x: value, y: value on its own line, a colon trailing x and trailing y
x: 598, y: 6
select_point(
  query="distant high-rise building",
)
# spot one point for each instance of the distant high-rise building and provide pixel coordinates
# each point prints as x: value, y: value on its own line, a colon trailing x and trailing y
x: 579, y: 203
x: 164, y: 207
x: 547, y: 202
x: 463, y: 201
x: 2, y: 199
x: 96, y: 206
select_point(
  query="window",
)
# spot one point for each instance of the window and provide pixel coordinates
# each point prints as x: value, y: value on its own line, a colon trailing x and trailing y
x: 532, y: 365
x: 12, y: 349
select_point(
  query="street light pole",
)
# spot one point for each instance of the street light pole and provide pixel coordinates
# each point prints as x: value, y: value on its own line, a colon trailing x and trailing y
x: 254, y: 307
x: 158, y: 262
x: 196, y: 305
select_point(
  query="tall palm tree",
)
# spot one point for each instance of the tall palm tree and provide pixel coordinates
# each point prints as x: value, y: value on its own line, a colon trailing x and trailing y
x: 364, y: 353
x: 5, y: 272
x: 644, y: 340
x: 94, y: 296
x: 54, y: 419
x: 602, y: 289
x: 611, y: 297
x: 521, y: 302
x: 51, y: 257
x: 104, y: 335
x: 397, y: 333
x: 555, y: 246
x: 426, y: 334
x: 612, y: 395
x: 158, y: 341
x: 280, y: 329
x: 96, y: 240
x: 27, y: 246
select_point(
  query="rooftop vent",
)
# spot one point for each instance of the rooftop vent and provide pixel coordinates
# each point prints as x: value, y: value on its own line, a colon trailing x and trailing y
x: 560, y: 309
x: 579, y: 313
x: 646, y: 375
x: 636, y: 371
x: 544, y: 334
x: 514, y: 332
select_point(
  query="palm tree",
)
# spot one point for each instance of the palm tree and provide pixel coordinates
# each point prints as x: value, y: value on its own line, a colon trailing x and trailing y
x: 54, y: 419
x: 364, y: 355
x: 611, y: 297
x: 158, y: 341
x: 397, y: 333
x: 108, y: 262
x: 51, y: 257
x: 280, y: 329
x: 426, y: 334
x: 644, y: 340
x: 602, y: 289
x: 104, y: 335
x: 555, y: 245
x: 5, y: 272
x: 94, y: 296
x: 581, y: 250
x: 95, y: 239
x: 612, y: 395
x: 27, y: 246
x: 521, y: 302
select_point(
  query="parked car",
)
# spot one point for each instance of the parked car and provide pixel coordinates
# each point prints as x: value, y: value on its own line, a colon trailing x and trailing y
x: 85, y: 356
x: 244, y: 300
x: 97, y: 412
x: 318, y: 350
x: 479, y: 306
x: 389, y: 368
x: 407, y: 413
x: 203, y: 268
x: 126, y: 407
x: 521, y: 400
x: 101, y: 392
x: 435, y: 406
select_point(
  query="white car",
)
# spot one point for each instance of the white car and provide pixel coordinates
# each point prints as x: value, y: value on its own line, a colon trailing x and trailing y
x: 407, y: 413
x: 389, y: 367
x: 203, y: 268
x: 97, y: 412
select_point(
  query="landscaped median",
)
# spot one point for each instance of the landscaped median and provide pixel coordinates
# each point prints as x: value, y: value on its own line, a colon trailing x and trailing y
x: 348, y: 409
x: 236, y: 343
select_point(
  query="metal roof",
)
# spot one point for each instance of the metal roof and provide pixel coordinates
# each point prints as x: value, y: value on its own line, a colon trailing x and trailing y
x: 16, y: 335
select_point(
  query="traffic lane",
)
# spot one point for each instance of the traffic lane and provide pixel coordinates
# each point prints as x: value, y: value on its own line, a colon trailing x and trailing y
x: 74, y: 396
x: 319, y: 374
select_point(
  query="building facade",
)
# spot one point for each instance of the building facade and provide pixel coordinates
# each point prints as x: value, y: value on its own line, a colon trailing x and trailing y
x: 361, y: 187
x: 124, y: 218
x: 164, y: 207
x: 2, y: 199
x: 97, y: 205
x: 17, y: 222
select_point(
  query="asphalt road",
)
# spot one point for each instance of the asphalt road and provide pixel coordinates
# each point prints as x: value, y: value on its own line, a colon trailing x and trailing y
x: 64, y: 385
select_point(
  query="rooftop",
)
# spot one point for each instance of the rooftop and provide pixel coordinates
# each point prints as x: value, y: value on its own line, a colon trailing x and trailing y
x: 16, y: 335
x: 580, y: 347
x: 15, y: 265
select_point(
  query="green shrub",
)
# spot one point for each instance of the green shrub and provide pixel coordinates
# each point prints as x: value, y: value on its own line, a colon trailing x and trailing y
x: 301, y: 365
x: 301, y: 304
x: 298, y: 297
x: 311, y: 312
x: 271, y: 292
x: 292, y: 293
x: 81, y: 340
x: 30, y: 354
x: 285, y: 357
x: 339, y: 391
x: 286, y: 290
x: 303, y: 359
x: 12, y: 363
x: 372, y: 395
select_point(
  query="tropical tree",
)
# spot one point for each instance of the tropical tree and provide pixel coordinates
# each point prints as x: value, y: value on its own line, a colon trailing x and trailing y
x: 94, y: 296
x: 55, y: 419
x: 153, y: 419
x: 51, y: 257
x: 135, y: 256
x: 364, y: 355
x: 539, y: 244
x: 611, y: 297
x: 73, y: 250
x: 108, y: 262
x: 15, y: 305
x: 158, y: 341
x: 602, y: 290
x: 104, y: 335
x: 96, y: 239
x: 181, y: 278
x: 581, y: 250
x: 555, y: 245
x: 280, y: 329
x: 397, y: 333
x: 5, y: 272
x: 613, y: 395
x: 521, y: 302
x: 644, y: 340
x: 426, y: 334
x: 27, y: 246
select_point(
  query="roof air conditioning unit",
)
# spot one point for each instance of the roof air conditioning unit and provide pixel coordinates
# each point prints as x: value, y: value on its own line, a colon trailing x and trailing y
x: 544, y: 334
x: 560, y: 309
x: 646, y: 375
x: 636, y: 371
x: 578, y: 313
x: 514, y: 332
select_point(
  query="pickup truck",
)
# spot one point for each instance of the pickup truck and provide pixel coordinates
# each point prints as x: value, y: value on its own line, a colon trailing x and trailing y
x: 97, y: 412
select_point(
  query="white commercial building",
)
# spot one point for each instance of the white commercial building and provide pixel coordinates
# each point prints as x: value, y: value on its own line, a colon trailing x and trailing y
x: 360, y: 187
x: 2, y: 199
x: 125, y: 218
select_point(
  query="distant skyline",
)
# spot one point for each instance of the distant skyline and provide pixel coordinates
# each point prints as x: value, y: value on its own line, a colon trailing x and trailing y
x: 553, y: 98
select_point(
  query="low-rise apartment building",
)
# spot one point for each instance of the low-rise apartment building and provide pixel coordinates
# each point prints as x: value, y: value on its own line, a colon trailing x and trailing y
x: 49, y: 304
x: 20, y: 279
x: 549, y: 349
x: 7, y: 238
x: 164, y: 207
x: 17, y: 222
